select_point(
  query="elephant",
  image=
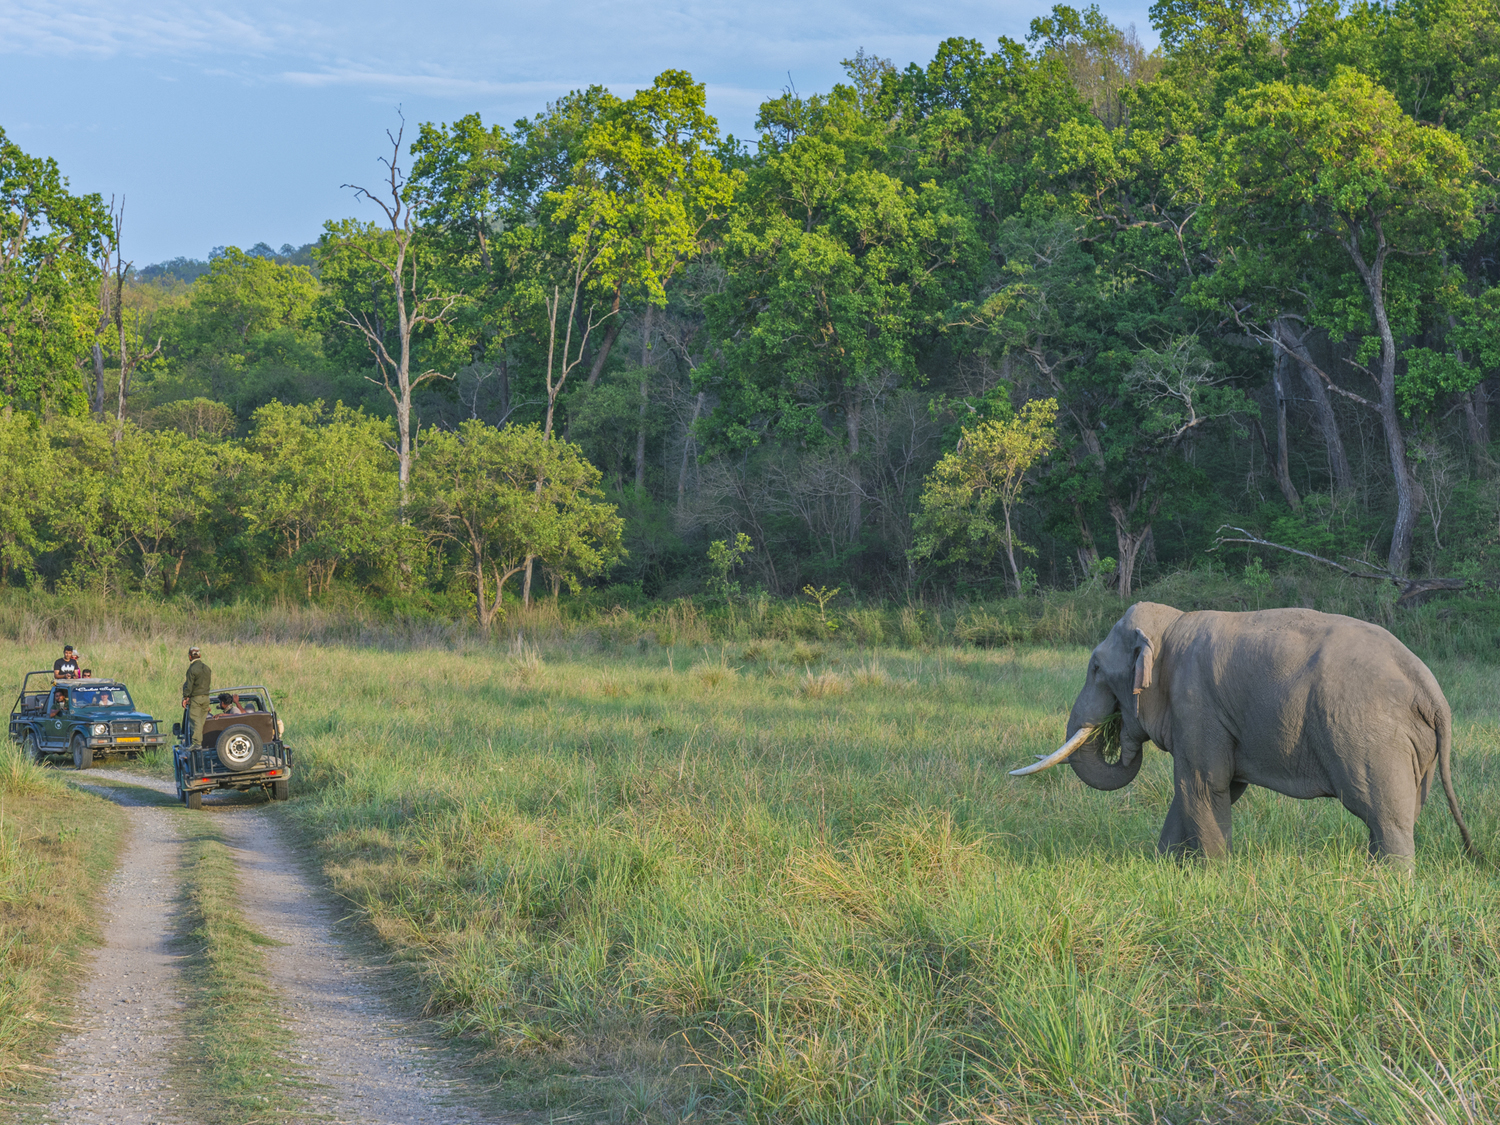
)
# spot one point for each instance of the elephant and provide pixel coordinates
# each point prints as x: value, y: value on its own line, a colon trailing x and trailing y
x: 1308, y: 704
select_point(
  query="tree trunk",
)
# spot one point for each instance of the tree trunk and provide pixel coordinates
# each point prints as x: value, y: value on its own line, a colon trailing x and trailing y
x: 1280, y: 363
x: 1010, y: 554
x: 856, y: 482
x: 687, y: 446
x: 1130, y: 543
x: 610, y: 334
x: 124, y: 366
x: 1130, y: 548
x: 1408, y: 490
x: 640, y: 433
x: 1339, y: 470
x: 98, y: 379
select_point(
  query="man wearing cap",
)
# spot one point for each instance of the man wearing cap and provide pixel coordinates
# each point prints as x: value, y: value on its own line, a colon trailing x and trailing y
x: 195, y: 688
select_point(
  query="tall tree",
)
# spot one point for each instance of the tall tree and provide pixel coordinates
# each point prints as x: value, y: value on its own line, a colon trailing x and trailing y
x: 50, y: 241
x: 391, y: 253
x: 837, y: 271
x: 507, y: 497
x: 1343, y: 170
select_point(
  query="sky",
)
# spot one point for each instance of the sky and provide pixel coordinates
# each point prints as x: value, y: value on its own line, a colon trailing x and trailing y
x: 232, y: 124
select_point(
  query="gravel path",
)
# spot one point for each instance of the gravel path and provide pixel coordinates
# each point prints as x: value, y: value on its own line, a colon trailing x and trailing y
x: 378, y: 1069
x: 371, y: 1066
x: 114, y: 1069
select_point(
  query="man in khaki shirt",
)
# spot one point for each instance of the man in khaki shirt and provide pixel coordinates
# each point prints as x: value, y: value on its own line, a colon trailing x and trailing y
x: 195, y: 688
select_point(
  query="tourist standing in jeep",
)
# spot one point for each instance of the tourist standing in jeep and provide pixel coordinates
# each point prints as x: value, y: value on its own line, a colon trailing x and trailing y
x: 66, y: 668
x: 195, y: 688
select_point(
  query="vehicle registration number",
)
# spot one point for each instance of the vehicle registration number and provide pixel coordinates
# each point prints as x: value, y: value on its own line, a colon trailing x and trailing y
x: 129, y: 738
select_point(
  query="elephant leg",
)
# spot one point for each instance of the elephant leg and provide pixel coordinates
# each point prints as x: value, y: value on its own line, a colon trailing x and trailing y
x: 1173, y: 839
x: 1392, y: 822
x: 1203, y: 782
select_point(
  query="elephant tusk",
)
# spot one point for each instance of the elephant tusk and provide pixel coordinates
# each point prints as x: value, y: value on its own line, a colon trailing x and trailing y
x: 1060, y: 754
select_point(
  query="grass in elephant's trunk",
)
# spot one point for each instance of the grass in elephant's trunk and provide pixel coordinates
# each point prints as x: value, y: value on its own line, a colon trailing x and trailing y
x: 1107, y: 738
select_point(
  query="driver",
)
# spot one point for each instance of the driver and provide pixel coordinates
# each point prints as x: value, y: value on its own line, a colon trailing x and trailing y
x: 59, y: 703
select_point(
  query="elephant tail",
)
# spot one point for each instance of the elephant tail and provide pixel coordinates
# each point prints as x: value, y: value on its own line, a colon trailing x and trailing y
x: 1445, y: 772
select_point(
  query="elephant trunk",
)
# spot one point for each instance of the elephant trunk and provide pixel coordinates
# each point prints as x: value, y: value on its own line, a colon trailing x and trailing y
x: 1097, y: 772
x: 1117, y: 734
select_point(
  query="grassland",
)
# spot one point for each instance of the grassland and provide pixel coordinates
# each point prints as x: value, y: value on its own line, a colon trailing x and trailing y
x: 56, y: 848
x: 790, y: 882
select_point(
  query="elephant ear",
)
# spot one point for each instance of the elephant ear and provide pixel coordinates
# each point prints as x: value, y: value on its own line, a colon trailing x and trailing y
x: 1144, y: 658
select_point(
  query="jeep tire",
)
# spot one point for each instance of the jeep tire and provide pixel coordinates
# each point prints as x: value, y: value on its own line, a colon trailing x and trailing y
x: 281, y: 790
x: 239, y: 747
x: 194, y: 800
x: 33, y: 747
x: 83, y: 757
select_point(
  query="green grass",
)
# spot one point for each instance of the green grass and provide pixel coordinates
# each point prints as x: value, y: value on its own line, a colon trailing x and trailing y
x: 237, y: 1064
x: 57, y: 847
x: 784, y: 881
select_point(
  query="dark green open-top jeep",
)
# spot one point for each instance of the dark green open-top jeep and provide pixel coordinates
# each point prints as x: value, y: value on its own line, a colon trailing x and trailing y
x: 242, y: 749
x: 85, y: 718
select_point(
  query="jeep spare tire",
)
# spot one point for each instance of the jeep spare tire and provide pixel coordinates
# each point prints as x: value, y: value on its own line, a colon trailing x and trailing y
x: 239, y: 747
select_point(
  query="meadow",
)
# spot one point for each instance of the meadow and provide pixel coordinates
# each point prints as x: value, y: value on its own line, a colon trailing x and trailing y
x: 779, y: 881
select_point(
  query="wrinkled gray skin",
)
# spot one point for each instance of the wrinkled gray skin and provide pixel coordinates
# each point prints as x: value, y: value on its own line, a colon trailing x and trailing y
x: 1308, y: 704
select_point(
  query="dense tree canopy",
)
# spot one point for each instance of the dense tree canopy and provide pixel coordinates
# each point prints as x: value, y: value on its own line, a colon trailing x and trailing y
x: 1251, y: 274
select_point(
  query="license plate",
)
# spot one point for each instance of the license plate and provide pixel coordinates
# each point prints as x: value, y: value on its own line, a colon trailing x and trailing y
x: 129, y: 738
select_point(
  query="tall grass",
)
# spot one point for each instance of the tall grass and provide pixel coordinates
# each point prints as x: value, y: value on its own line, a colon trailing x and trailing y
x: 1453, y: 626
x: 56, y: 848
x: 672, y: 883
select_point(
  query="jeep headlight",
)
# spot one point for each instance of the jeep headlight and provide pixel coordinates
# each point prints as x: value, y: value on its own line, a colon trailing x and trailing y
x: 147, y: 728
x: 101, y: 729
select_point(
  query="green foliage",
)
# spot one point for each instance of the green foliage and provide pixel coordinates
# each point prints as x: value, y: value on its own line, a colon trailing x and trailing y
x: 321, y: 487
x: 1187, y: 250
x: 50, y: 241
x: 724, y: 558
x: 957, y: 524
x: 509, y: 497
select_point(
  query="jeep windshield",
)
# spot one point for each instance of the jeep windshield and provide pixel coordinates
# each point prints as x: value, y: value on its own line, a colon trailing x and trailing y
x: 112, y: 698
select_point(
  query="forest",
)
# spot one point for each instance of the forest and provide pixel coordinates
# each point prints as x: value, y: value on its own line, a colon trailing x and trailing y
x: 1029, y: 315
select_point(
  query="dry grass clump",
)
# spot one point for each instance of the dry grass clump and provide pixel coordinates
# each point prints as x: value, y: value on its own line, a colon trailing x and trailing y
x: 712, y: 674
x: 807, y: 654
x: 756, y: 651
x: 823, y: 685
x: 872, y: 674
x: 523, y: 662
x: 21, y: 777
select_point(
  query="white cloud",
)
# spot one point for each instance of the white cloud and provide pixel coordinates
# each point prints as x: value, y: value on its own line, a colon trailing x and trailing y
x: 430, y: 85
x: 102, y: 30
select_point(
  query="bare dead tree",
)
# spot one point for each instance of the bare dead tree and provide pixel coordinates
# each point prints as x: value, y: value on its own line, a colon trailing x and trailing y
x: 131, y: 358
x: 414, y: 309
x: 107, y: 252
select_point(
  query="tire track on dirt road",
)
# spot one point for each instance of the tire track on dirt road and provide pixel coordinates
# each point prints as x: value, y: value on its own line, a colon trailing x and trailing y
x: 369, y: 1064
x: 114, y: 1069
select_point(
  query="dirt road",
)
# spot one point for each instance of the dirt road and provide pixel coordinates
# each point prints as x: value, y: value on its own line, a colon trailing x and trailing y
x: 369, y: 1064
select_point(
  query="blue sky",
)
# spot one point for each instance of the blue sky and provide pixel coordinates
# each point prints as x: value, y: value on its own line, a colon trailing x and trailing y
x: 234, y: 124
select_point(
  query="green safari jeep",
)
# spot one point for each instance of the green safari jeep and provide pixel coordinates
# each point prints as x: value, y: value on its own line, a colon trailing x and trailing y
x: 92, y: 718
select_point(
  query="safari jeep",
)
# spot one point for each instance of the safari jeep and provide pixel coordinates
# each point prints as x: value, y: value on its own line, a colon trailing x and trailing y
x: 239, y: 751
x: 97, y: 718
